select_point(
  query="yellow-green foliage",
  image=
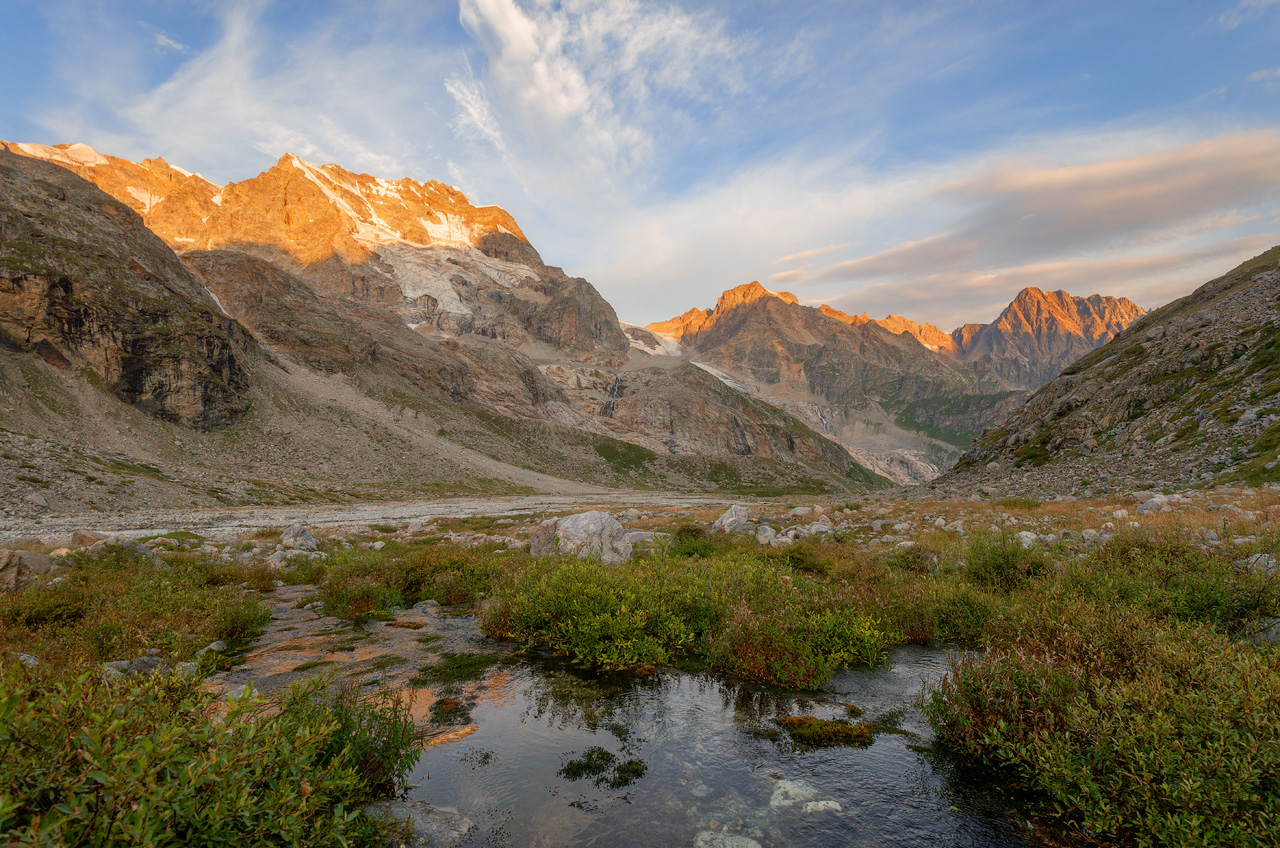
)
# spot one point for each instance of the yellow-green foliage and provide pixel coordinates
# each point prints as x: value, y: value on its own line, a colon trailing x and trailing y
x: 153, y: 761
x: 116, y: 605
x: 743, y: 614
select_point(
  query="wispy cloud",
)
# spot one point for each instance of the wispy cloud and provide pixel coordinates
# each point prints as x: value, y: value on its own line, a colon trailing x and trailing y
x: 167, y: 43
x: 1245, y: 11
x: 812, y: 253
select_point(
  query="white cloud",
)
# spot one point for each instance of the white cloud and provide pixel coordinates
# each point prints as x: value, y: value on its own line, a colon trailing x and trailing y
x: 1245, y: 11
x: 168, y: 43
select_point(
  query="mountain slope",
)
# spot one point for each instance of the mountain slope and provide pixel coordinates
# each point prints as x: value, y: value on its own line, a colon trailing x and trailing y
x: 85, y: 285
x: 1185, y: 394
x: 421, y: 250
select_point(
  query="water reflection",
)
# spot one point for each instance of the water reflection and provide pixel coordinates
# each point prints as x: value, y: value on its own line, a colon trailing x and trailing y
x: 539, y: 770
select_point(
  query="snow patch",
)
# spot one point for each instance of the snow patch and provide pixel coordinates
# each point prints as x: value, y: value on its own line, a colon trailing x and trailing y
x: 453, y: 232
x: 216, y: 200
x: 146, y: 197
x: 72, y: 154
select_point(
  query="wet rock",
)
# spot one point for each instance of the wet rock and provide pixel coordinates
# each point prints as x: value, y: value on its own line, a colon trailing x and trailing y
x: 711, y: 839
x: 439, y: 827
x: 586, y: 535
x: 822, y: 807
x: 788, y: 793
x: 297, y: 537
x: 736, y: 519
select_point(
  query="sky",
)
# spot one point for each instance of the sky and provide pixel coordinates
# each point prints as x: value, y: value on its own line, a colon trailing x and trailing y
x: 928, y: 159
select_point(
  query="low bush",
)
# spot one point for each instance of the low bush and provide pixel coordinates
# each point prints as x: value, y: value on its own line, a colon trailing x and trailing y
x: 116, y: 605
x: 740, y: 614
x: 1000, y: 562
x: 157, y: 761
x: 1136, y: 730
x: 369, y: 584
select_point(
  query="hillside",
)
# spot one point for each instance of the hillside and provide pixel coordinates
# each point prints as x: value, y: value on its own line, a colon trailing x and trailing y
x: 1185, y: 395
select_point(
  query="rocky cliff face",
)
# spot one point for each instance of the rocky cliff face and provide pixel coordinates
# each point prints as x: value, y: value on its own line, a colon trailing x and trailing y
x: 1040, y: 333
x: 84, y: 284
x: 1183, y: 395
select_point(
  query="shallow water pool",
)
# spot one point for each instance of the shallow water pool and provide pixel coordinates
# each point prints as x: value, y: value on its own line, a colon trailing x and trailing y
x: 560, y: 757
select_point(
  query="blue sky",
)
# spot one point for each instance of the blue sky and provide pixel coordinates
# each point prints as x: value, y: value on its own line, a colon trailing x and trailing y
x: 923, y: 158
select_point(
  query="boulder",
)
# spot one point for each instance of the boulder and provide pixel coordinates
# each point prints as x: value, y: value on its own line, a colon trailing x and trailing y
x: 1260, y: 564
x: 765, y: 535
x: 18, y: 568
x: 736, y: 519
x: 1159, y: 503
x: 586, y: 535
x: 1026, y: 538
x: 801, y: 512
x: 132, y: 546
x: 297, y: 537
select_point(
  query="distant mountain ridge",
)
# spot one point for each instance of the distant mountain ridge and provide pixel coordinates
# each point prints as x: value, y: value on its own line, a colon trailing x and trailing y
x: 905, y: 397
x: 1185, y: 395
x: 1036, y: 336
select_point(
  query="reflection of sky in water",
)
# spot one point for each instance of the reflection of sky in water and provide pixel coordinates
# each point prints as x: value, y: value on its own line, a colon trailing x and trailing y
x: 706, y: 770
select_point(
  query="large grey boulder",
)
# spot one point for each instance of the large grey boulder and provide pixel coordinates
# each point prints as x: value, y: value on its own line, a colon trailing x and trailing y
x: 736, y: 519
x: 127, y: 545
x: 586, y: 535
x: 19, y: 568
x: 1159, y: 503
x: 297, y: 537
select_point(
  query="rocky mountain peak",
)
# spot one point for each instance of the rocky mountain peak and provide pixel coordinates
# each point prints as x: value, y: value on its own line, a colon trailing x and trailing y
x: 697, y: 320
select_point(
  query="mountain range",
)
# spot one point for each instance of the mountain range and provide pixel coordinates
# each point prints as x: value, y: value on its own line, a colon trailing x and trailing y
x: 312, y: 333
x: 905, y: 398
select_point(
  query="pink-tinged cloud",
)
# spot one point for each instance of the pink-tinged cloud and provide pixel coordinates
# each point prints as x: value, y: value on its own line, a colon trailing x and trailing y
x: 1018, y: 213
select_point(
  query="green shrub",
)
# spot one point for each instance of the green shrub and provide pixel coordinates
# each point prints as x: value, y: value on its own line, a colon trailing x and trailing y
x: 1134, y: 730
x: 741, y: 614
x: 690, y: 540
x: 116, y: 605
x: 1000, y: 562
x: 153, y: 761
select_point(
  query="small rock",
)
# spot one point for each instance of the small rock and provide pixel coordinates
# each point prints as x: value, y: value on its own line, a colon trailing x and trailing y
x: 1159, y: 503
x: 378, y: 545
x: 187, y: 669
x: 146, y: 665
x: 28, y: 660
x: 439, y: 827
x: 218, y: 647
x: 1260, y: 564
x: 765, y: 535
x: 712, y: 839
x: 1026, y: 538
x: 800, y: 512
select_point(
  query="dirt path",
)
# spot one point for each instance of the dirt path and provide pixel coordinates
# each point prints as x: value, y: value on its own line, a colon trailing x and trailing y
x: 241, y: 519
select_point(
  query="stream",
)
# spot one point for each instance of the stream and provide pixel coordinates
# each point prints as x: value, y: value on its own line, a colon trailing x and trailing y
x: 563, y: 757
